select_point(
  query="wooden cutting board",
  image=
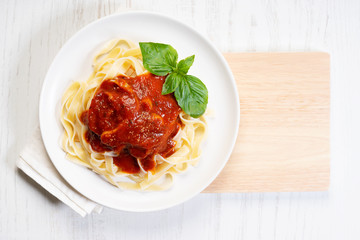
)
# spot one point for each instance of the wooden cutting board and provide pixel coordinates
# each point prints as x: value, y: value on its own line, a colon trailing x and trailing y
x: 283, y: 140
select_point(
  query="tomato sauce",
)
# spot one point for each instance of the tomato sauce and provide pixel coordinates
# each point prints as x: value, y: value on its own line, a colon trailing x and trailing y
x: 130, y: 117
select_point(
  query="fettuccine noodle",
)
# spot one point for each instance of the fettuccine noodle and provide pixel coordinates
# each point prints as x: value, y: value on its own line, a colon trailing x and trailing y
x: 123, y: 57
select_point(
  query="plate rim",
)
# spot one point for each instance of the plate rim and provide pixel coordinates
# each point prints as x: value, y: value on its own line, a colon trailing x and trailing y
x: 203, y: 38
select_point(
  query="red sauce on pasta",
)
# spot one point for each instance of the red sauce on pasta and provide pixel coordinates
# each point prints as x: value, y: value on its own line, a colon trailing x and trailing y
x: 130, y: 117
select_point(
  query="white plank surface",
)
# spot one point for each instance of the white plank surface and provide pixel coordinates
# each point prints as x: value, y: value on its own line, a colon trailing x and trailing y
x: 31, y: 33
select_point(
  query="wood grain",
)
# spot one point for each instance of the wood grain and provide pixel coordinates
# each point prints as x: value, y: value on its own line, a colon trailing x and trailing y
x: 284, y: 136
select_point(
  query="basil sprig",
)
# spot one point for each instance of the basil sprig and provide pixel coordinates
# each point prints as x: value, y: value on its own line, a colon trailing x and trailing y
x: 190, y: 92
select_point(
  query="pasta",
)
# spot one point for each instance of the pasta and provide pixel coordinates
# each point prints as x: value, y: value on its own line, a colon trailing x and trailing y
x: 123, y: 58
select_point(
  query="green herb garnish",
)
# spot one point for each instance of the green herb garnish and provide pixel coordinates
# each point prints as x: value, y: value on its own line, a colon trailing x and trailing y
x: 190, y: 92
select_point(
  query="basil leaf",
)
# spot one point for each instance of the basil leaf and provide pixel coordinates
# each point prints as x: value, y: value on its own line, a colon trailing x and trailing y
x: 192, y: 96
x: 172, y: 81
x: 158, y: 58
x: 190, y: 93
x: 184, y: 65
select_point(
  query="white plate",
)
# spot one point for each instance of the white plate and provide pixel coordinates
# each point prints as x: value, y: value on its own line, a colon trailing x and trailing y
x: 73, y: 63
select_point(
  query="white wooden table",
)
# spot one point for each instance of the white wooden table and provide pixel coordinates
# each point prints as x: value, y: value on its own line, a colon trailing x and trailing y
x: 32, y: 32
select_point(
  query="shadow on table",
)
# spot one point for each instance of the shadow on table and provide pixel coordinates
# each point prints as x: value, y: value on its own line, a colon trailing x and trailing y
x: 29, y: 181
